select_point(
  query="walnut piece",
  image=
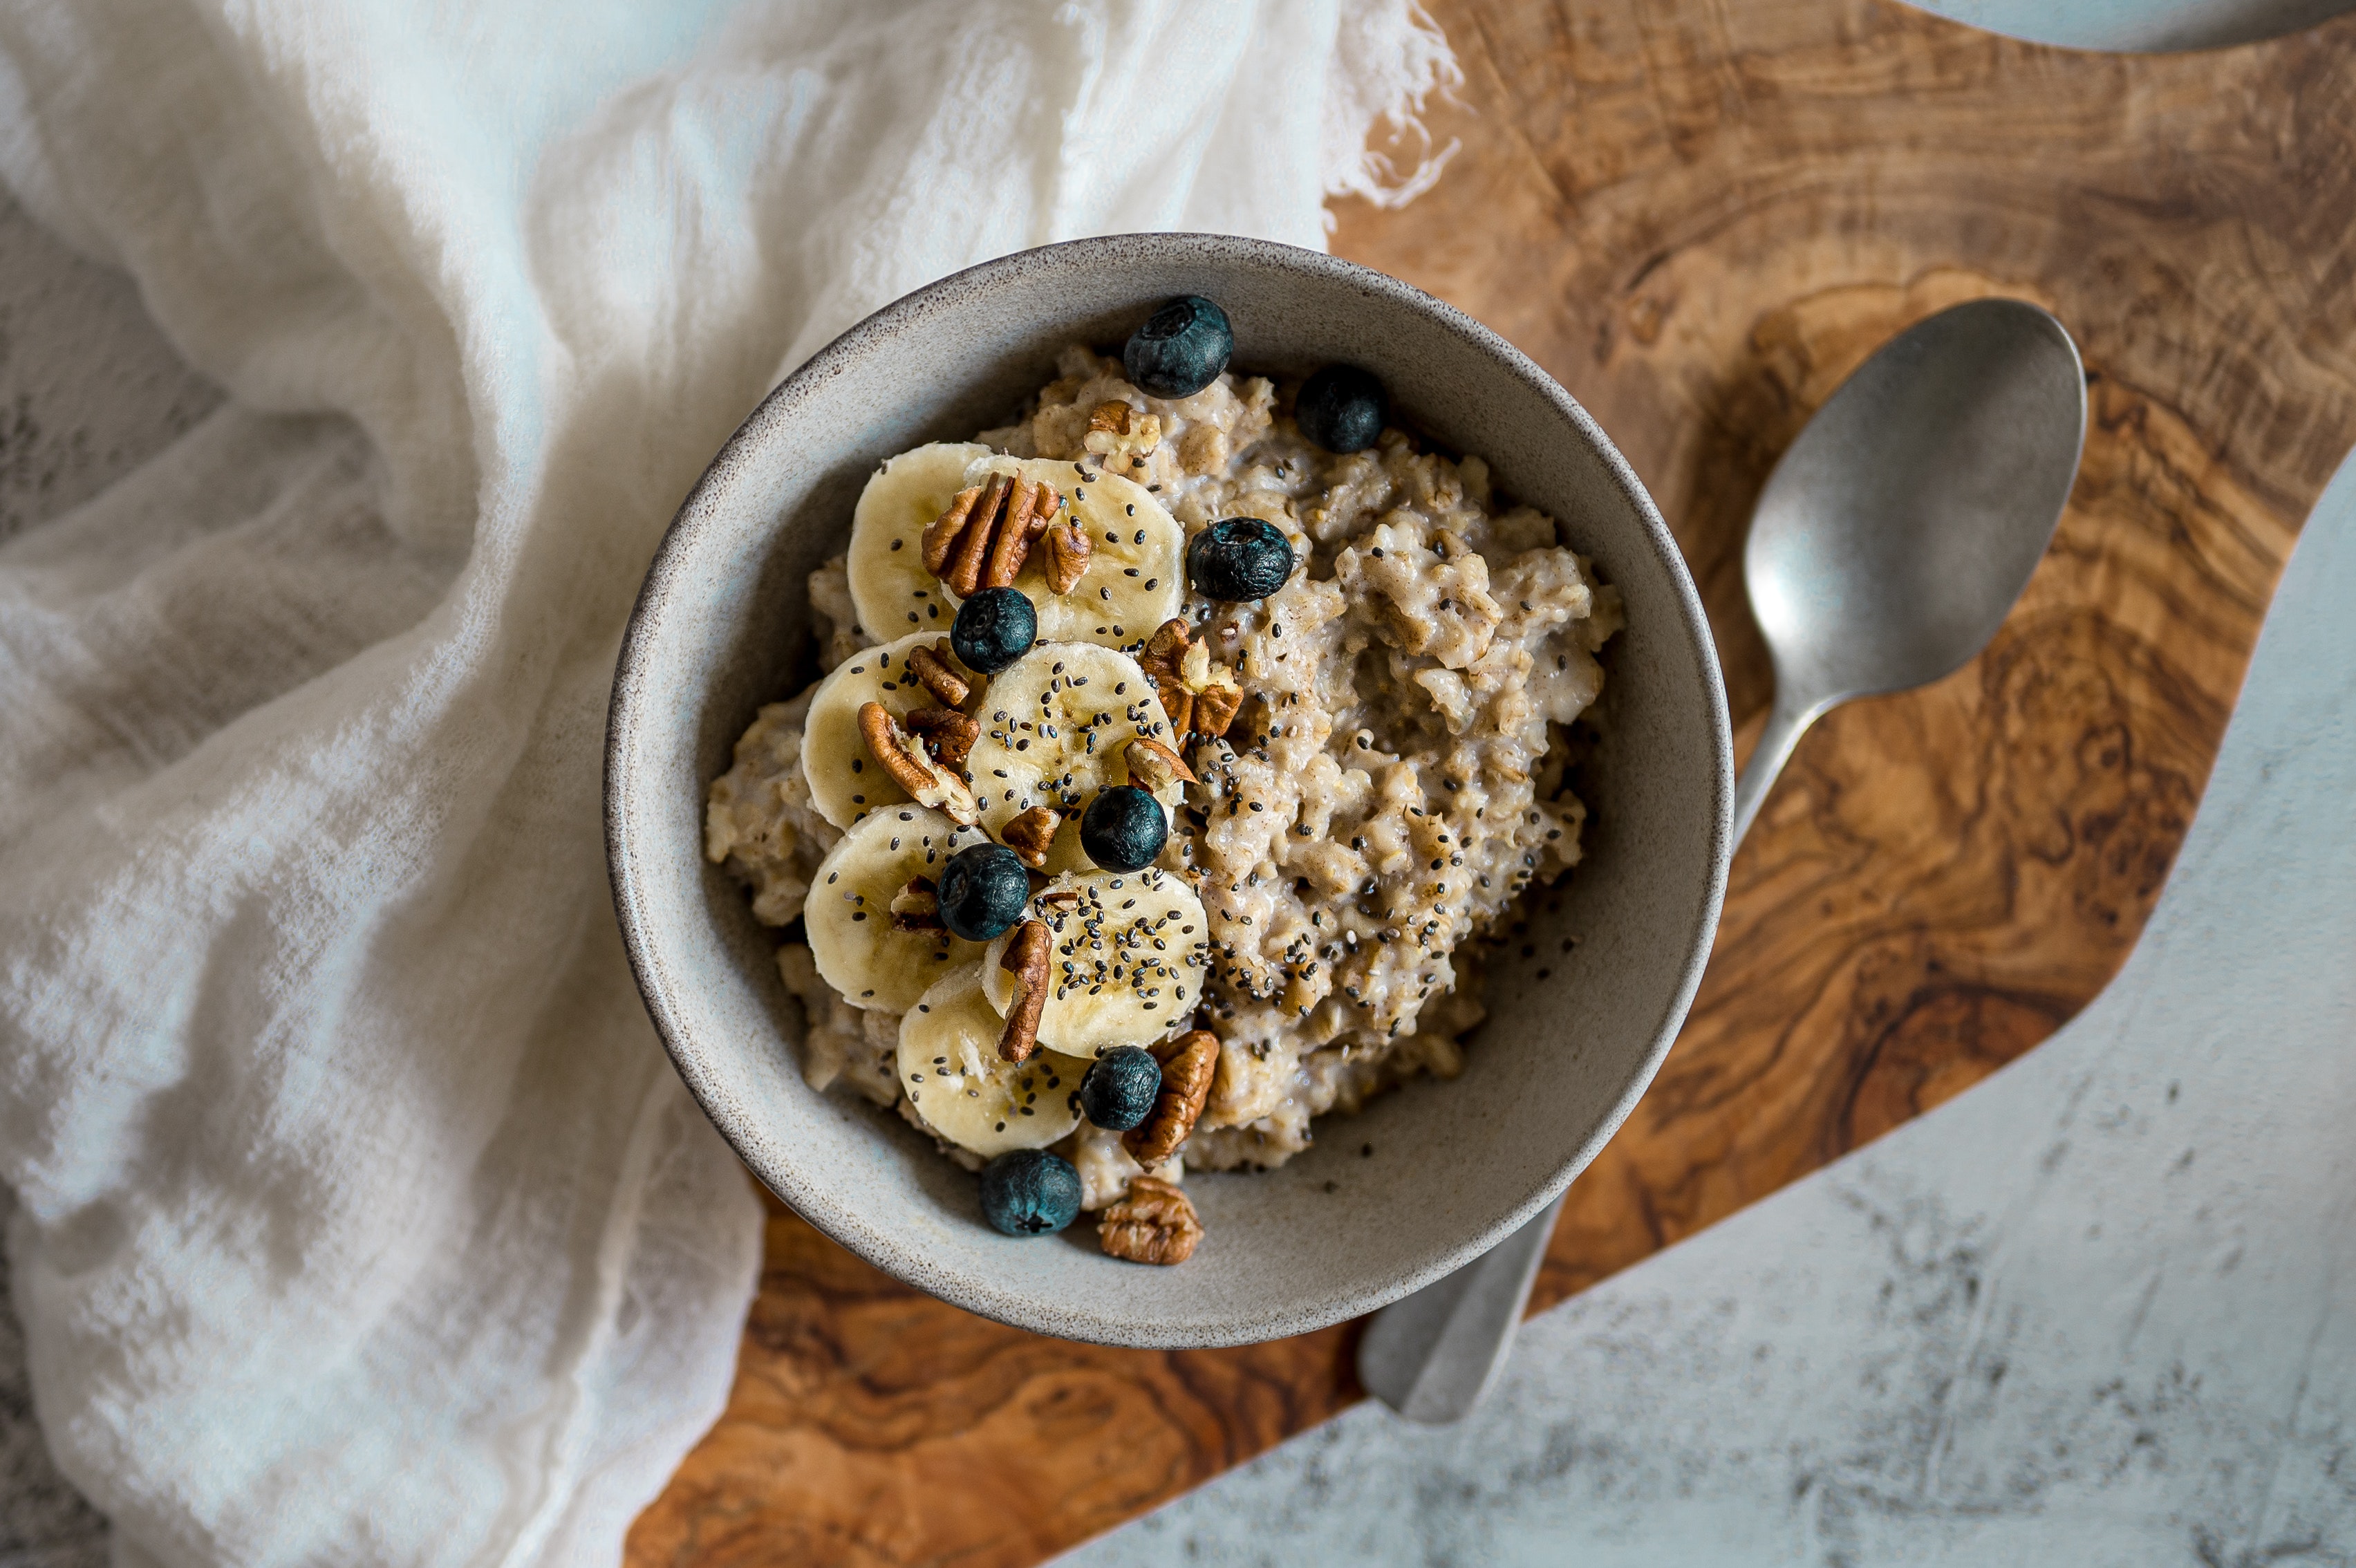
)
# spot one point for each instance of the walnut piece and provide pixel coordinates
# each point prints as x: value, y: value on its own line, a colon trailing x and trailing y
x: 1026, y: 960
x: 1188, y: 1065
x: 1201, y: 698
x: 1179, y: 704
x: 1164, y: 651
x: 1120, y: 437
x: 1214, y: 709
x: 1153, y: 1222
x: 1028, y: 834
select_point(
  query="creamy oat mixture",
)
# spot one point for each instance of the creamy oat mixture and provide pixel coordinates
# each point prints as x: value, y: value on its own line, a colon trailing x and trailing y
x: 1393, y: 780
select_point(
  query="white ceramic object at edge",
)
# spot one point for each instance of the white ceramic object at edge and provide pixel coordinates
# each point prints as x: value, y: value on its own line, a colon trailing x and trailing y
x: 722, y: 626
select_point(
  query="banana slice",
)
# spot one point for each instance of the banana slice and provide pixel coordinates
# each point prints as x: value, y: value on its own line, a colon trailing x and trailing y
x: 1137, y: 562
x: 1135, y: 578
x: 952, y: 1071
x: 845, y: 784
x: 890, y: 589
x: 1126, y: 955
x: 1055, y: 728
x: 859, y: 948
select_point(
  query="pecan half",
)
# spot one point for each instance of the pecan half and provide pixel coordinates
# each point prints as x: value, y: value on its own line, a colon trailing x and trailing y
x: 1153, y: 765
x: 1153, y: 1222
x: 964, y: 572
x: 1028, y: 834
x: 1026, y: 960
x: 905, y: 764
x: 893, y: 753
x: 1188, y: 1064
x: 951, y: 734
x: 942, y: 533
x: 916, y: 907
x: 1067, y: 554
x: 931, y: 666
x: 1011, y: 546
x: 1061, y: 899
x: 986, y: 535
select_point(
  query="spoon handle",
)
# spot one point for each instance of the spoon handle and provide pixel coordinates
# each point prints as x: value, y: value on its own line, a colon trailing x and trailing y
x: 1432, y: 1356
x: 1785, y: 725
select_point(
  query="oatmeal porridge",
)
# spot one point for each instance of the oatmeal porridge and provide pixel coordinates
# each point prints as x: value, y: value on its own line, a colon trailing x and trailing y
x: 1177, y: 747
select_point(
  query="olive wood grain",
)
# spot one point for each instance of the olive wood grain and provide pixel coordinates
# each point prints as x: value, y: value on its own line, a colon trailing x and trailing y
x: 1699, y: 217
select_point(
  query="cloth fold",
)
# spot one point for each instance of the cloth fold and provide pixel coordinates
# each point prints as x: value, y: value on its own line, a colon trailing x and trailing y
x: 360, y: 1216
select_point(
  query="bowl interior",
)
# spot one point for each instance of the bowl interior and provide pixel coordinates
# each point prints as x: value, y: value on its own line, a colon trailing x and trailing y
x: 1424, y: 1178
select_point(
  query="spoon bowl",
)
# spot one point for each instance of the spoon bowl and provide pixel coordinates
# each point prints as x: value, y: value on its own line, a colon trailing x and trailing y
x: 1895, y: 534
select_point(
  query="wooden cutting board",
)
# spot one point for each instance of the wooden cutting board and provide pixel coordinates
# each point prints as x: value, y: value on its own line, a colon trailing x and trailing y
x: 1699, y: 217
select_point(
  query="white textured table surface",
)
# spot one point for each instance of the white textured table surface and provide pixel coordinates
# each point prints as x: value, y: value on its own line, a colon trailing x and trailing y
x: 2082, y: 1315
x: 2099, y: 1310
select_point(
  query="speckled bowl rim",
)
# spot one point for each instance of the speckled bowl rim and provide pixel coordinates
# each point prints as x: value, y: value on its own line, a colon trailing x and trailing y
x: 822, y: 1206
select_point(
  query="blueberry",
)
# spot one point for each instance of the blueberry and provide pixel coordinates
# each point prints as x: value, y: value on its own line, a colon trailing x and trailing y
x: 1123, y: 829
x: 1240, y: 559
x: 1120, y: 1087
x: 993, y: 628
x: 1029, y: 1192
x: 1180, y: 350
x: 983, y: 891
x: 1341, y: 408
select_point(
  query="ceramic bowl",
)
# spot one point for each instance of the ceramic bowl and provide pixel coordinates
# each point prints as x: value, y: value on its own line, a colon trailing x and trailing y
x: 1424, y: 1178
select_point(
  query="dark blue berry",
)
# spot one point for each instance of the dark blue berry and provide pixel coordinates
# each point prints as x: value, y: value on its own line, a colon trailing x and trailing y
x: 1180, y: 350
x: 1029, y: 1192
x: 1341, y: 408
x: 1123, y: 829
x: 1120, y: 1087
x: 993, y: 628
x: 983, y: 891
x: 1239, y: 560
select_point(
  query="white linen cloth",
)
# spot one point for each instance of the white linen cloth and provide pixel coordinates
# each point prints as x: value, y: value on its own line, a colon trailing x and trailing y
x: 360, y: 1216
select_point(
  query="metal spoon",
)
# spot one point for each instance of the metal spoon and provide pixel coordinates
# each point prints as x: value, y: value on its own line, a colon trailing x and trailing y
x: 1888, y: 544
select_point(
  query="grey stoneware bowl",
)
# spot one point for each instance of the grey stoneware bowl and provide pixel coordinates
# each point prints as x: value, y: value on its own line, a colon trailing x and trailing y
x: 1427, y: 1177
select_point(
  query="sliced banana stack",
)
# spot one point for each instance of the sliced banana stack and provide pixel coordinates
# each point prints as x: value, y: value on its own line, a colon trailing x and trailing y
x: 874, y: 957
x: 951, y: 1070
x: 1126, y: 956
x: 1135, y: 578
x: 1055, y: 728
